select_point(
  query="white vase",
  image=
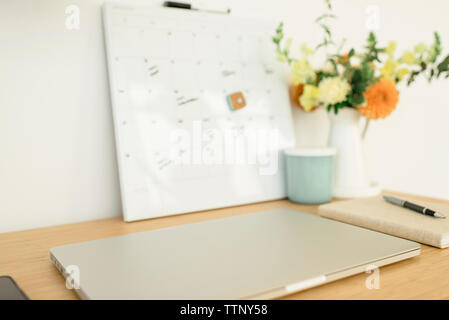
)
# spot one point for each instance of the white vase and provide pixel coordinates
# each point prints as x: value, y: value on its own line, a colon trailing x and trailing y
x: 351, y: 178
x: 311, y: 128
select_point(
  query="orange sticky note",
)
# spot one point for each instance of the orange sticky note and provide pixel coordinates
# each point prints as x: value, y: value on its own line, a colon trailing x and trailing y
x: 236, y: 101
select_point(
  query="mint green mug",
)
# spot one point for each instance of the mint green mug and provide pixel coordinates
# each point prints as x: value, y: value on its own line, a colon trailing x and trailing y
x: 310, y: 174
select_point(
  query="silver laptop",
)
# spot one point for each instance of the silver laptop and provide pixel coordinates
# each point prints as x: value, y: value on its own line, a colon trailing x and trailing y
x: 261, y: 255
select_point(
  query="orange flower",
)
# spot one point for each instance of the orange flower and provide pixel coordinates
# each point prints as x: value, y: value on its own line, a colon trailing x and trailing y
x: 381, y: 99
x: 345, y: 58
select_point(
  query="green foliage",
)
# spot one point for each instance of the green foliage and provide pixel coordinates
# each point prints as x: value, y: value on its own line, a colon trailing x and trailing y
x: 323, y: 22
x: 320, y: 74
x: 360, y: 78
x: 429, y: 67
x: 282, y: 52
x: 443, y: 66
x: 347, y: 103
x: 415, y: 73
x: 372, y: 51
x: 436, y: 48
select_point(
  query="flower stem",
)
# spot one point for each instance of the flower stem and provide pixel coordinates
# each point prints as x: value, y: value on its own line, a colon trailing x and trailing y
x: 365, y: 129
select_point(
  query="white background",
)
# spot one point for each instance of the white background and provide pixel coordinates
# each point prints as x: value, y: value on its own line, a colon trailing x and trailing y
x: 57, y: 154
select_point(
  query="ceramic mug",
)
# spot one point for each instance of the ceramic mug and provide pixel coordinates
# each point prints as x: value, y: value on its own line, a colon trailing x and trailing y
x: 310, y: 174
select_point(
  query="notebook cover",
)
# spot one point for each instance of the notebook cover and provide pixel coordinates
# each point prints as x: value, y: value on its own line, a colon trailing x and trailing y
x: 376, y: 214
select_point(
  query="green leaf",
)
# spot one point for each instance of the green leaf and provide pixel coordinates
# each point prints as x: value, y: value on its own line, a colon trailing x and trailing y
x: 358, y: 99
x: 372, y: 39
x: 351, y: 53
x: 436, y: 48
x: 280, y: 27
x: 443, y: 65
x: 325, y: 16
x: 326, y: 29
x: 412, y: 77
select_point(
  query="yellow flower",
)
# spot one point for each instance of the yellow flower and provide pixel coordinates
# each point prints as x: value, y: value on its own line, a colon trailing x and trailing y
x: 389, y: 68
x: 408, y: 58
x: 391, y: 47
x: 306, y: 50
x: 401, y: 73
x: 302, y: 72
x: 420, y: 48
x: 309, y: 97
x: 333, y: 90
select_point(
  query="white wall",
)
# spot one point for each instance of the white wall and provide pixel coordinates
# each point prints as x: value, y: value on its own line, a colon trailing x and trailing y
x: 56, y: 138
x: 57, y: 156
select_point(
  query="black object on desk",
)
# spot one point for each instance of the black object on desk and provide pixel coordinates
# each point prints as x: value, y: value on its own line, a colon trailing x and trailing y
x: 414, y: 207
x: 9, y: 290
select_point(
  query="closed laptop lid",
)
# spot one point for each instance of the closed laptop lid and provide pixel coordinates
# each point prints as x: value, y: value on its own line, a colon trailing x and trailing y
x: 228, y: 258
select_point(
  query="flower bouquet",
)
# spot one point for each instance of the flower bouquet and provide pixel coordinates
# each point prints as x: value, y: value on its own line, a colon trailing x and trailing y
x: 352, y: 85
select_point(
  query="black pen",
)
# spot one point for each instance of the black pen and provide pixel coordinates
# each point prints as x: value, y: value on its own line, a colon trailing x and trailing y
x: 188, y: 6
x: 414, y: 207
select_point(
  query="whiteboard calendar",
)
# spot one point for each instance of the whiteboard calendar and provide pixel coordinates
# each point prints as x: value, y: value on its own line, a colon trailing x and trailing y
x: 201, y: 110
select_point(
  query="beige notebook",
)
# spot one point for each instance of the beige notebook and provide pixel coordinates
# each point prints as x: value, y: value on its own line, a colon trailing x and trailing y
x: 377, y: 214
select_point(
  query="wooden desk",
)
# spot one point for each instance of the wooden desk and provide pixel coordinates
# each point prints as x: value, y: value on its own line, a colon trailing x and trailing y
x: 25, y: 256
